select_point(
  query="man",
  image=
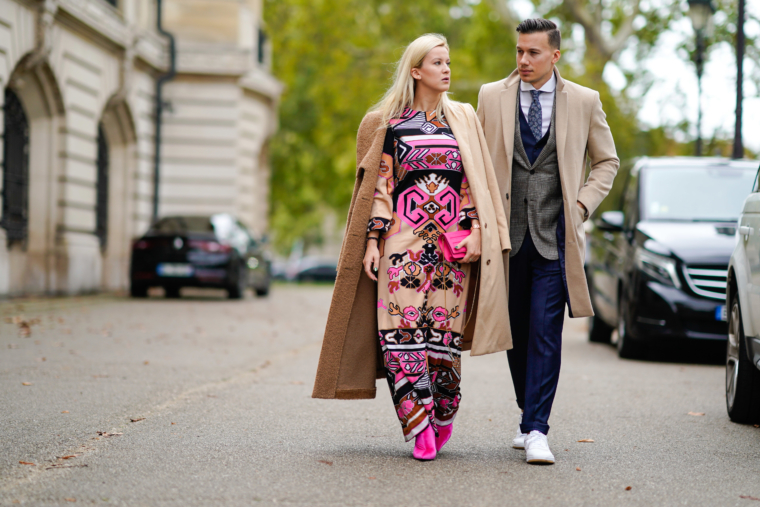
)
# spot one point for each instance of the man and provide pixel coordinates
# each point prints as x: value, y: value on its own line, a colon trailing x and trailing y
x: 540, y: 130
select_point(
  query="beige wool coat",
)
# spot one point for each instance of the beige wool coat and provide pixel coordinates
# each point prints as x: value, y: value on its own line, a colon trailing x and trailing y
x: 582, y: 133
x: 351, y: 361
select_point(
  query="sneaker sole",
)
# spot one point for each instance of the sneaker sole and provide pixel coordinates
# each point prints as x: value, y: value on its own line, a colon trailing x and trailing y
x: 522, y: 448
x: 540, y: 461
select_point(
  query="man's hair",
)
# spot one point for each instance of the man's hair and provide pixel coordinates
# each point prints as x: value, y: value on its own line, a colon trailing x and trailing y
x: 542, y: 25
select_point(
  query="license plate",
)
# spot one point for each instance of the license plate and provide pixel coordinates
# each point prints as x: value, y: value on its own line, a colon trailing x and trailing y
x: 175, y: 270
x: 721, y: 313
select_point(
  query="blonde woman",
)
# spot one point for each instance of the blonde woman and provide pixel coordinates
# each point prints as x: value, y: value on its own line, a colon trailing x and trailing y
x: 399, y: 308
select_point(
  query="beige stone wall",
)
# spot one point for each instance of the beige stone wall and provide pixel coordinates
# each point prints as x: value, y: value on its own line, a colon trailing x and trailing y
x: 78, y: 63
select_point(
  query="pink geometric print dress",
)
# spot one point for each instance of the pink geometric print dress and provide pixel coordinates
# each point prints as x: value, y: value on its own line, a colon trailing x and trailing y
x: 421, y: 192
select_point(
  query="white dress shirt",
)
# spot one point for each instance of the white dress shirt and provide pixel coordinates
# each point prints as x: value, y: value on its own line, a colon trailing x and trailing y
x: 546, y: 99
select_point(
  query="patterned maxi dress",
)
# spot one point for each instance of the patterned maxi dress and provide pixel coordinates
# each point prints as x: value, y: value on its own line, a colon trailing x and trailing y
x: 421, y: 192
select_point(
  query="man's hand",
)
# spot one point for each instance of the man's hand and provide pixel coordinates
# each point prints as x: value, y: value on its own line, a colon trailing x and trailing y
x: 583, y: 209
x: 472, y: 244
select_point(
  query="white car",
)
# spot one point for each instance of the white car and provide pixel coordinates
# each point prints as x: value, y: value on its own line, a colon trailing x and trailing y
x: 743, y: 308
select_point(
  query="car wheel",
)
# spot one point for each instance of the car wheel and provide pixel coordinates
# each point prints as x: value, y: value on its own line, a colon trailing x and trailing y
x: 138, y: 291
x: 599, y: 331
x: 172, y: 292
x: 627, y: 346
x: 742, y: 377
x: 237, y: 291
x: 263, y: 292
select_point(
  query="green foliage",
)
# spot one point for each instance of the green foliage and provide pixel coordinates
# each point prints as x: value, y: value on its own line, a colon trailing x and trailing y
x: 336, y: 58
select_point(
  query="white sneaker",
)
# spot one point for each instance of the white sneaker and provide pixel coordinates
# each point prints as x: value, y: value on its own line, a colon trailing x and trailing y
x: 519, y: 441
x: 537, y: 448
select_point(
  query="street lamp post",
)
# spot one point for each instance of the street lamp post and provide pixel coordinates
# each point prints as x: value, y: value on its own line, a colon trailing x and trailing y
x: 700, y: 12
x: 738, y: 151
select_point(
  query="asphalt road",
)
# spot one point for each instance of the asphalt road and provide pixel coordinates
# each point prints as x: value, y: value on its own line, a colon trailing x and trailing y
x: 220, y: 394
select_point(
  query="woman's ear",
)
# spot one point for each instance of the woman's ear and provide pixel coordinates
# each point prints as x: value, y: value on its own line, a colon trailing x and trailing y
x: 416, y: 74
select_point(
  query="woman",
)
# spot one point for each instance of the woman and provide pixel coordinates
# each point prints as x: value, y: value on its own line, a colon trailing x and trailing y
x: 423, y: 170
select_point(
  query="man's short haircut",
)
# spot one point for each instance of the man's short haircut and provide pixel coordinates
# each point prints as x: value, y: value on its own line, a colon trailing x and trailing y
x: 542, y: 25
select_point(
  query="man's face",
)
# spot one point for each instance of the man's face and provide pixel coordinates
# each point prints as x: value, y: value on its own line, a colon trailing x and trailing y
x: 535, y: 58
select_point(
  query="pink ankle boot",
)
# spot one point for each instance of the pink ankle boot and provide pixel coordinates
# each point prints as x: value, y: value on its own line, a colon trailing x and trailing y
x: 424, y: 445
x: 444, y: 434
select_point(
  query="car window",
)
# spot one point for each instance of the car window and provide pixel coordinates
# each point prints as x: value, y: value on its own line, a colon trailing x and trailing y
x: 695, y: 193
x: 181, y: 225
x: 630, y: 201
x: 757, y: 181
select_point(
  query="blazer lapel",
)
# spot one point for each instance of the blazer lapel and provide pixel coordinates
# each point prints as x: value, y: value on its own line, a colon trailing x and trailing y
x: 508, y: 100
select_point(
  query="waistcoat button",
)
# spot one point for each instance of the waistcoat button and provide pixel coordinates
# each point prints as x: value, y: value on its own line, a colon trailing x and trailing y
x: 507, y: 195
x: 525, y: 200
x: 532, y: 171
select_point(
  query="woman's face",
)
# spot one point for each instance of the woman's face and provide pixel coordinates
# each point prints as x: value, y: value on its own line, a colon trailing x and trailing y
x: 434, y: 73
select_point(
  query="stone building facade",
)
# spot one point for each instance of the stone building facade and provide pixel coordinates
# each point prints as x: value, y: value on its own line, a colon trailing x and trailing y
x: 78, y: 80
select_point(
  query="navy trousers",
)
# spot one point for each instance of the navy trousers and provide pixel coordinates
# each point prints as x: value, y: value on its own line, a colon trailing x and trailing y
x: 537, y: 300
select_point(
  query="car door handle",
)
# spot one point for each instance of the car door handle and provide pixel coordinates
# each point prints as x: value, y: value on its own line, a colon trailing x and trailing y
x: 745, y: 230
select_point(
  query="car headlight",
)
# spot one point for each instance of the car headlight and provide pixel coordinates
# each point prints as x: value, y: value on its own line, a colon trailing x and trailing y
x: 253, y: 263
x: 662, y: 269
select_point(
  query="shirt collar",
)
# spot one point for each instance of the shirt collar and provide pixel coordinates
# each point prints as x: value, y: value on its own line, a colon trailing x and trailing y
x: 548, y: 87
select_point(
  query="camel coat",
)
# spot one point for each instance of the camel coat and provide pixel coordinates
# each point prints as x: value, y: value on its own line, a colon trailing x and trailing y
x: 351, y: 360
x: 582, y: 132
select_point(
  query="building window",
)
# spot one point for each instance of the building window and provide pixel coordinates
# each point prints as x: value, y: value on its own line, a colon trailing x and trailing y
x: 262, y: 46
x: 101, y: 207
x: 15, y: 216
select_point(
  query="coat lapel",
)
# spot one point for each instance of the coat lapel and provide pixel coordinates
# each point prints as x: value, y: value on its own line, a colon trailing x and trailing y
x: 508, y: 100
x: 560, y: 119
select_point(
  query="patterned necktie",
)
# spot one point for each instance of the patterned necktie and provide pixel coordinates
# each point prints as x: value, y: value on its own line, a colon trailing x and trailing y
x: 534, y: 115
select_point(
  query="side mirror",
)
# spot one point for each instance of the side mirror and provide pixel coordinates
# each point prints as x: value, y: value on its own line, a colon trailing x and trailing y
x: 611, y: 221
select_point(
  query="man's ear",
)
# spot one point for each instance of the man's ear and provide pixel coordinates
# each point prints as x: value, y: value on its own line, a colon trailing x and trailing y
x: 557, y: 56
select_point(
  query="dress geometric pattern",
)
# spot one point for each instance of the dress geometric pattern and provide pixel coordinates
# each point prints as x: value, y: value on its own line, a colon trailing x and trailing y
x: 422, y: 192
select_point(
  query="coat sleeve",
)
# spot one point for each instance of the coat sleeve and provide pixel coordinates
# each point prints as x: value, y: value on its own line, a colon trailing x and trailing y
x: 493, y: 188
x: 604, y: 160
x: 382, y: 202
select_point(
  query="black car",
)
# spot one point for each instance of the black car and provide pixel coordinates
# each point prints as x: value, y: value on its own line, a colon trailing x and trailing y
x: 657, y: 268
x: 199, y: 251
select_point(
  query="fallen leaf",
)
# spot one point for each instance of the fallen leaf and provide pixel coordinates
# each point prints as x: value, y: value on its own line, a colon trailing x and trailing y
x: 372, y: 477
x: 105, y: 434
x: 42, y: 359
x: 628, y: 488
x: 65, y: 412
x: 747, y: 497
x: 146, y: 362
x: 61, y: 465
x: 70, y: 499
x: 138, y: 419
x: 26, y: 463
x: 578, y: 469
x: 696, y: 413
x: 587, y: 440
x: 325, y: 462
x: 174, y: 423
x: 69, y: 456
x: 757, y: 425
x: 26, y: 383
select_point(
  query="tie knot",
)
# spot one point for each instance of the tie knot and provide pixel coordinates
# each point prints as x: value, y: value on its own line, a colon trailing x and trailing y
x: 535, y: 94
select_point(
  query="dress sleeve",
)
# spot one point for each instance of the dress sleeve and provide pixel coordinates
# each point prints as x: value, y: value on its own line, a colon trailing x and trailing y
x: 467, y: 212
x: 382, y: 204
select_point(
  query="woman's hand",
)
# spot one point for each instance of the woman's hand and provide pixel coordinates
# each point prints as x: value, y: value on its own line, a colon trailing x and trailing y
x: 472, y: 244
x: 371, y: 260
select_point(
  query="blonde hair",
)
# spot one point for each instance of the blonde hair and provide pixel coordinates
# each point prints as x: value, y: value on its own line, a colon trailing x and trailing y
x: 400, y: 95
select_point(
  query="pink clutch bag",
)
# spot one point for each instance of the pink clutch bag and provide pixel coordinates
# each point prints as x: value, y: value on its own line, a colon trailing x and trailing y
x: 448, y: 241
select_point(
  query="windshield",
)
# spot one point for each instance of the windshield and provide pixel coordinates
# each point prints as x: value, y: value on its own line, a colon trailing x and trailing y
x: 181, y: 225
x: 695, y: 193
